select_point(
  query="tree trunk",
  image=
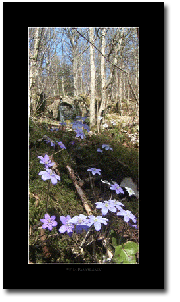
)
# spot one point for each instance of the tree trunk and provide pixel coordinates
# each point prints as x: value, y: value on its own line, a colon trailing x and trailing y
x: 62, y: 77
x: 103, y: 93
x: 120, y: 93
x: 92, y: 101
x: 74, y: 54
x: 75, y: 75
x: 33, y: 71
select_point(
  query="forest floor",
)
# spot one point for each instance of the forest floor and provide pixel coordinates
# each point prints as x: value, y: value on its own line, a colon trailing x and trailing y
x: 64, y: 199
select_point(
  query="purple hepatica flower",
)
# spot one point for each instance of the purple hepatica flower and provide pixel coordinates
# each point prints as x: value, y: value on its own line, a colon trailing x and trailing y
x: 94, y: 171
x: 49, y: 174
x: 117, y: 188
x: 61, y: 145
x: 107, y: 147
x: 105, y: 207
x: 116, y: 204
x: 77, y: 125
x: 47, y: 141
x: 80, y: 222
x: 49, y: 222
x: 46, y: 161
x: 67, y: 225
x: 97, y: 221
x: 127, y: 215
x: 99, y: 150
x: 80, y: 133
x: 52, y: 144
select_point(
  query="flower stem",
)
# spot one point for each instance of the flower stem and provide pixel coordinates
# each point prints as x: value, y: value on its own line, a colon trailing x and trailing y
x: 92, y: 186
x: 48, y: 194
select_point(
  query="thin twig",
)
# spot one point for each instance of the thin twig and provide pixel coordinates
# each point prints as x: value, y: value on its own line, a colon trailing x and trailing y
x: 87, y: 235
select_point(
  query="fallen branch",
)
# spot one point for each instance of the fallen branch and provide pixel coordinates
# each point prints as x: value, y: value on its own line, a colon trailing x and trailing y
x: 79, y: 190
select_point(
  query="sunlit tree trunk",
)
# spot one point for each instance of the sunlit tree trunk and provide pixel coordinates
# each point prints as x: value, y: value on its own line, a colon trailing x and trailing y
x: 120, y: 92
x: 74, y: 55
x: 103, y: 80
x: 33, y: 71
x: 62, y: 77
x: 92, y: 100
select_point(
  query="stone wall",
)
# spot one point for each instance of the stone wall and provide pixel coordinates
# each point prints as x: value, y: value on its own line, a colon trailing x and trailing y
x: 54, y: 108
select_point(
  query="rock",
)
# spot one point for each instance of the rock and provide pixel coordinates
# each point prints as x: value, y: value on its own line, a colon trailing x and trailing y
x: 128, y: 182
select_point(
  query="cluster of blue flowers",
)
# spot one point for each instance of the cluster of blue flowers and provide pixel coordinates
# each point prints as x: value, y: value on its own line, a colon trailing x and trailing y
x: 48, y: 173
x: 78, y: 126
x: 82, y: 222
x: 105, y: 147
x: 78, y: 223
x: 61, y: 145
x: 112, y: 205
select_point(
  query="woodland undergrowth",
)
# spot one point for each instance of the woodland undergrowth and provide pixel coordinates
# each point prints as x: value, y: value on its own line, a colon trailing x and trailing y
x: 66, y: 188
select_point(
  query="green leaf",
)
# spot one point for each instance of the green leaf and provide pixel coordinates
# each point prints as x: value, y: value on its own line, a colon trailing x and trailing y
x: 125, y: 254
x: 118, y: 256
x: 131, y: 247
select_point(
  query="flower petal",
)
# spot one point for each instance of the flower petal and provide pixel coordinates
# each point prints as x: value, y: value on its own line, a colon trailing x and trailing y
x: 54, y: 223
x: 53, y: 217
x: 43, y: 220
x: 97, y: 225
x: 62, y: 229
x: 68, y: 217
x: 45, y: 176
x: 63, y: 219
x: 104, y: 210
x: 44, y: 226
x: 53, y: 179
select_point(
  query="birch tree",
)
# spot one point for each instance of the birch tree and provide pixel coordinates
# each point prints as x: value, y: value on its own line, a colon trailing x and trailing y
x: 92, y: 99
x: 103, y: 80
x: 33, y: 71
x: 62, y: 77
